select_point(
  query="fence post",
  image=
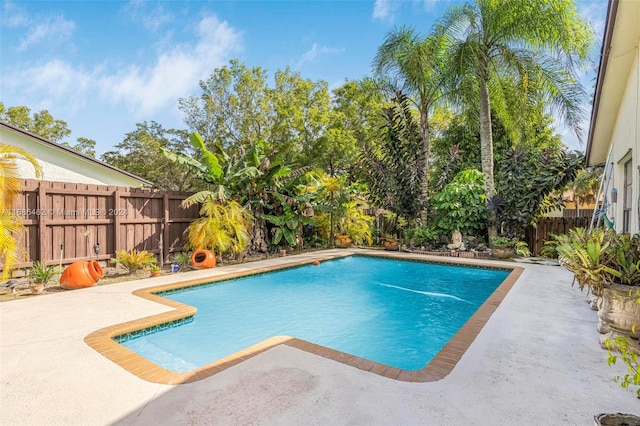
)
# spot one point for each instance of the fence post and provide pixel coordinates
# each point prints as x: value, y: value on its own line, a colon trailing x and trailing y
x: 164, y: 226
x: 42, y: 218
x: 116, y: 221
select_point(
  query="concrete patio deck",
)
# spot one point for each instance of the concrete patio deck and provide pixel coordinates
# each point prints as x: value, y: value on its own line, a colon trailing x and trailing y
x: 536, y: 362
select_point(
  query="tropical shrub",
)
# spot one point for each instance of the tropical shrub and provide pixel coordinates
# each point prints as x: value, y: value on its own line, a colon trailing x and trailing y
x: 499, y: 240
x: 593, y: 256
x: 550, y: 248
x: 522, y: 249
x: 182, y: 258
x: 223, y: 227
x: 461, y: 205
x: 250, y: 177
x: 626, y: 255
x: 355, y: 223
x: 10, y: 225
x: 287, y: 225
x: 629, y: 358
x: 419, y: 236
x: 627, y: 355
x: 530, y: 186
x: 134, y: 260
x: 394, y: 170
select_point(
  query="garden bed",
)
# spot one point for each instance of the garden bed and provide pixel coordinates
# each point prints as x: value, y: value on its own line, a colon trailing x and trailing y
x: 114, y: 275
x: 451, y: 253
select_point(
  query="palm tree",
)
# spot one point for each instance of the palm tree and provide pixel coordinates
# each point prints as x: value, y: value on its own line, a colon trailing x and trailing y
x: 585, y: 186
x: 509, y: 55
x: 414, y: 65
x: 222, y: 227
x: 10, y: 225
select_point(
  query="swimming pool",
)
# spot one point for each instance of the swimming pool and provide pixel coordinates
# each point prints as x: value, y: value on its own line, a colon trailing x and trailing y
x: 393, y: 312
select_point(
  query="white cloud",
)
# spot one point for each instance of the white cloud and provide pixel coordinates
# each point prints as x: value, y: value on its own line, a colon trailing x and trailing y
x: 14, y: 15
x: 55, y: 82
x: 596, y: 13
x: 175, y: 73
x: 54, y: 29
x: 316, y: 51
x: 152, y: 17
x: 384, y: 10
x: 142, y: 89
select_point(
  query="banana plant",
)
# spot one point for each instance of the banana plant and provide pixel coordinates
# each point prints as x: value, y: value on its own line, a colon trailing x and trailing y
x: 226, y: 176
x: 288, y: 224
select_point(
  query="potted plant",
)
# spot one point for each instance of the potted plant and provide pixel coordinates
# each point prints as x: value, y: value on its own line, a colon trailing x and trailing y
x: 342, y: 241
x: 502, y: 247
x: 608, y: 264
x: 390, y: 242
x: 156, y: 271
x: 40, y: 275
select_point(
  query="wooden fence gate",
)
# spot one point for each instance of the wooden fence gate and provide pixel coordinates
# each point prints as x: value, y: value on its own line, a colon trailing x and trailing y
x: 71, y: 221
x: 536, y: 235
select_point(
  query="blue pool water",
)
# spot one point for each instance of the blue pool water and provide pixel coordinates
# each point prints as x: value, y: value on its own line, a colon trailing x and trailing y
x: 398, y: 313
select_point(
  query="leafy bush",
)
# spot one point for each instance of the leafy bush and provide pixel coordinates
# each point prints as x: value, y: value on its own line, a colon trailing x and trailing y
x: 182, y: 258
x: 356, y: 224
x: 40, y: 273
x: 134, y: 260
x: 629, y: 358
x: 550, y: 248
x: 223, y: 227
x: 531, y: 185
x: 421, y: 235
x: 502, y: 241
x: 522, y: 249
x: 461, y: 204
x: 394, y: 170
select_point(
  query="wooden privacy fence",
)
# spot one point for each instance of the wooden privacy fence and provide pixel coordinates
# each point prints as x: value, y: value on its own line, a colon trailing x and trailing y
x: 72, y: 221
x: 581, y: 213
x: 537, y: 235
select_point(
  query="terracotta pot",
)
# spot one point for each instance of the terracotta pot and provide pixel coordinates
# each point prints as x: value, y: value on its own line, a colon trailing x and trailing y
x: 342, y: 241
x: 203, y: 259
x: 81, y: 274
x: 503, y: 251
x: 37, y: 288
x: 391, y: 244
x: 156, y: 273
x: 283, y: 253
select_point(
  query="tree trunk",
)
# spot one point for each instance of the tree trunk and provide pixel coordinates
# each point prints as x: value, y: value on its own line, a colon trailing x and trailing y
x: 426, y: 151
x: 259, y: 241
x: 486, y: 142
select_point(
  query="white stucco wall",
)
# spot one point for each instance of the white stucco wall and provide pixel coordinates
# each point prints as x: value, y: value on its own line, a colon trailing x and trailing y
x: 62, y: 166
x: 626, y: 140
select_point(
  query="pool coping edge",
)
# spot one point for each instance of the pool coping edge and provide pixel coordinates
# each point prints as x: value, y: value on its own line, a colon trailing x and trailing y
x: 440, y: 366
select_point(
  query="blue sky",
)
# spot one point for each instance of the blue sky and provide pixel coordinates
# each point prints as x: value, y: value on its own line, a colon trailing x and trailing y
x: 103, y: 66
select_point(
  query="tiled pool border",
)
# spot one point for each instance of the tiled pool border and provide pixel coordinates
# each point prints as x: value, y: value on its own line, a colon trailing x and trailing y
x: 103, y: 340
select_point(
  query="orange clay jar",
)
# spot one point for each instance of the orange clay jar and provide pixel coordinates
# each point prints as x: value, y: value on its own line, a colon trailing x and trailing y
x: 81, y: 274
x: 203, y: 259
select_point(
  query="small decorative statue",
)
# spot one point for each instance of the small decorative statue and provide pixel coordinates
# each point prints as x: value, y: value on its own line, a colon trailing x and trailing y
x: 456, y: 241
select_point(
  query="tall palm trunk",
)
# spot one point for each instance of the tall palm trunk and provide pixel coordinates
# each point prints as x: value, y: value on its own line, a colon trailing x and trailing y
x: 426, y: 152
x: 259, y: 233
x: 486, y: 141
